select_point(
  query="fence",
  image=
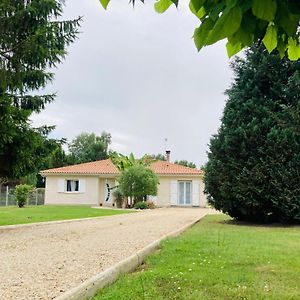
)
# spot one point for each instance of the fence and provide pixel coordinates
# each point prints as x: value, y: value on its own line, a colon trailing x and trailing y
x: 7, y: 198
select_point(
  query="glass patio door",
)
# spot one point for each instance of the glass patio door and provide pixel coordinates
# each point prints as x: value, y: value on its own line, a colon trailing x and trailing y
x: 185, y: 192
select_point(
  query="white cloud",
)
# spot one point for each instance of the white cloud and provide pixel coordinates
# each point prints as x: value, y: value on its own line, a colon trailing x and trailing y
x: 137, y: 74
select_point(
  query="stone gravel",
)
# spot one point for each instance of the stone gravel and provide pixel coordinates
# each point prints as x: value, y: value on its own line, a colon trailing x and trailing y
x: 42, y: 262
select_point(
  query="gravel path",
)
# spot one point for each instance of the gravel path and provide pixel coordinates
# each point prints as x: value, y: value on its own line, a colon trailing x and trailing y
x: 41, y: 262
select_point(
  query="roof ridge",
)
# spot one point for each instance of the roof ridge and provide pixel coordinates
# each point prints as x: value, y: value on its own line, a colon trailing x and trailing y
x: 174, y: 164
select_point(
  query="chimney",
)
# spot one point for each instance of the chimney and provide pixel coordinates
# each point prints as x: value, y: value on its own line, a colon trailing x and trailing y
x: 168, y: 153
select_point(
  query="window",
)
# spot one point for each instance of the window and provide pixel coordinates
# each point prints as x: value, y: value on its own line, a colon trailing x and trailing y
x: 72, y: 185
x: 185, y: 192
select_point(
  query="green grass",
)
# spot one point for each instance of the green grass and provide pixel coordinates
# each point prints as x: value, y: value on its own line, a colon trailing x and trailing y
x: 31, y: 214
x: 218, y: 259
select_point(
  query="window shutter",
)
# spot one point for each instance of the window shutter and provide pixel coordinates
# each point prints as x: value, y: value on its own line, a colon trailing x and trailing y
x: 173, y: 192
x: 60, y: 185
x: 196, y: 193
x: 82, y: 185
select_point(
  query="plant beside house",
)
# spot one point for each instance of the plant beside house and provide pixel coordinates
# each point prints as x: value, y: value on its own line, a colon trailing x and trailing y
x: 119, y: 197
x: 141, y: 205
x: 22, y: 193
x: 136, y: 182
x: 145, y: 205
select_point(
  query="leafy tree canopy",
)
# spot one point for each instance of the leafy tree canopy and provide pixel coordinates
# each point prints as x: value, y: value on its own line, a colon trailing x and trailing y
x: 123, y: 162
x: 253, y: 172
x: 243, y: 23
x: 32, y: 40
x: 137, y: 182
x: 89, y: 147
x: 185, y: 163
x: 158, y: 156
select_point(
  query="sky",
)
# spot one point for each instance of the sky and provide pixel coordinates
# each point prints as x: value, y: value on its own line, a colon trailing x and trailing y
x: 137, y: 74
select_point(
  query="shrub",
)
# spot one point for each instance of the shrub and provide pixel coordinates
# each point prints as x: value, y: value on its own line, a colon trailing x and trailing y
x: 151, y: 204
x: 138, y: 181
x: 141, y: 205
x: 119, y: 198
x: 21, y: 194
x: 253, y: 168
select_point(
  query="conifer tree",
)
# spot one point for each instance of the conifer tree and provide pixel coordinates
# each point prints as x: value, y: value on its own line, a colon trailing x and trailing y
x: 33, y: 39
x: 253, y: 172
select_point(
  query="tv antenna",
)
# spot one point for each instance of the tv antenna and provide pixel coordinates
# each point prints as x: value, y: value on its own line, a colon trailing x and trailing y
x: 166, y: 141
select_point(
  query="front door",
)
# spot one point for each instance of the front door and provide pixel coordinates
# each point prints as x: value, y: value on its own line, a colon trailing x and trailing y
x: 109, y: 185
x: 185, y: 193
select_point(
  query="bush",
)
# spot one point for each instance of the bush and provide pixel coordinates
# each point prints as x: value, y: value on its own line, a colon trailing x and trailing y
x: 151, y: 204
x: 141, y: 205
x: 253, y: 168
x: 119, y: 198
x: 21, y: 193
x: 138, y: 181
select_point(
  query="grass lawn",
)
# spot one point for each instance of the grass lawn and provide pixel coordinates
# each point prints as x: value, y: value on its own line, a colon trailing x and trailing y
x: 31, y: 214
x: 218, y: 259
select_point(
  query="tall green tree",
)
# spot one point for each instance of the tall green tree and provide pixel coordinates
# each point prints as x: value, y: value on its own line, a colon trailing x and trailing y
x: 253, y: 172
x: 185, y: 163
x: 89, y: 147
x: 243, y: 23
x: 32, y: 40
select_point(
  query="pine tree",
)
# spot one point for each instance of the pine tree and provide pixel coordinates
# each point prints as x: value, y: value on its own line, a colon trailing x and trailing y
x: 32, y: 40
x: 253, y: 172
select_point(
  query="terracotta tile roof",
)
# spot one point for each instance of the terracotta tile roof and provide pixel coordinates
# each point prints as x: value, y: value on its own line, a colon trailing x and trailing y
x: 167, y: 168
x: 107, y: 167
x: 96, y: 167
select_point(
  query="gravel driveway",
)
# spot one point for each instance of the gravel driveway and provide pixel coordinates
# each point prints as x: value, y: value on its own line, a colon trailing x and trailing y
x: 41, y: 262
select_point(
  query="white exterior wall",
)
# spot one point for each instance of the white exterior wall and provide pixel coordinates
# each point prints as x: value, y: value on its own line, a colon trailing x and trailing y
x: 168, y: 191
x: 95, y: 191
x: 56, y: 194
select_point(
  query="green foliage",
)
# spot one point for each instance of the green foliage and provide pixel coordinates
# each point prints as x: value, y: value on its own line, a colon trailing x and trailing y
x: 21, y: 193
x: 162, y: 5
x: 30, y: 179
x: 58, y: 158
x: 141, y: 205
x: 185, y: 163
x: 254, y: 160
x: 137, y: 182
x: 119, y: 197
x: 44, y: 213
x: 123, y: 162
x: 32, y: 40
x: 88, y: 147
x: 158, y: 156
x: 244, y: 23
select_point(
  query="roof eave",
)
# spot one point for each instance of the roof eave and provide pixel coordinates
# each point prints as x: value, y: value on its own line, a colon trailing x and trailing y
x: 76, y: 174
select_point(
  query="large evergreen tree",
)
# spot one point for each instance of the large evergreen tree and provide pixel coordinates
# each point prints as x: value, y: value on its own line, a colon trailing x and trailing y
x: 253, y: 172
x: 32, y: 40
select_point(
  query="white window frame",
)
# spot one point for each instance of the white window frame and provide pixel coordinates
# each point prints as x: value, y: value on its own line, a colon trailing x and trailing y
x: 184, y: 192
x: 66, y: 186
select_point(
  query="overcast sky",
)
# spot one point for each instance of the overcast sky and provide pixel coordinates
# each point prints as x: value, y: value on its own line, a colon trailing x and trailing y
x: 137, y: 74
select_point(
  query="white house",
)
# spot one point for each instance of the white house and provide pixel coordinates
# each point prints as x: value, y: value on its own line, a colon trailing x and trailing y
x: 92, y: 183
